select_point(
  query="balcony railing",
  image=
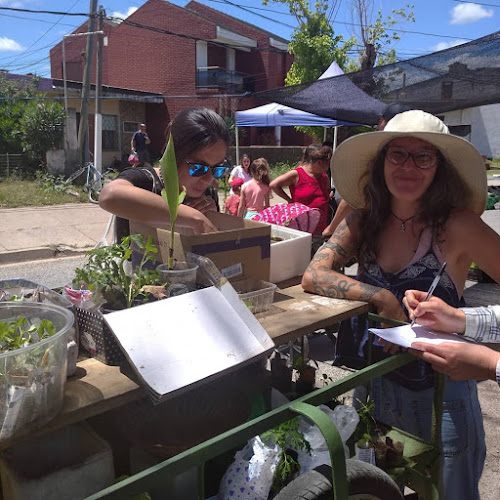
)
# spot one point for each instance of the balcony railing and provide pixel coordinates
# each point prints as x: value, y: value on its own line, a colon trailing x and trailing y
x: 215, y: 77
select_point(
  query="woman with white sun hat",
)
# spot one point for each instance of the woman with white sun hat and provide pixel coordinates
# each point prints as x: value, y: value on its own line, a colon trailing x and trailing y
x: 419, y: 192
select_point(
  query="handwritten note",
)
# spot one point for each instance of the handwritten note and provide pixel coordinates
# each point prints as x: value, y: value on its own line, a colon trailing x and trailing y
x: 406, y: 335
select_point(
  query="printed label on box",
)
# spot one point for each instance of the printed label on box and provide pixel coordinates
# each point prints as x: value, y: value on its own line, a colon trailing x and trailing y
x: 232, y: 271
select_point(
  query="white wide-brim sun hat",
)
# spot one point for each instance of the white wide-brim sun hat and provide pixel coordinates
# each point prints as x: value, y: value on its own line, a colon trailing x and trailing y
x: 355, y: 156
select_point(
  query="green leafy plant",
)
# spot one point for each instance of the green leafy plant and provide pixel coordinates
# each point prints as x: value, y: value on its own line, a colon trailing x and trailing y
x: 50, y: 183
x: 288, y: 437
x: 105, y: 273
x: 171, y: 194
x: 366, y: 431
x: 19, y: 333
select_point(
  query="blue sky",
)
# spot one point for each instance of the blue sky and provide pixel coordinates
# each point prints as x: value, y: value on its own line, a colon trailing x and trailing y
x: 26, y: 38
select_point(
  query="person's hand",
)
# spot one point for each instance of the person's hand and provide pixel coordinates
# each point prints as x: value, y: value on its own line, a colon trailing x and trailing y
x: 388, y: 306
x: 434, y: 313
x: 201, y: 225
x: 460, y: 361
x: 203, y: 204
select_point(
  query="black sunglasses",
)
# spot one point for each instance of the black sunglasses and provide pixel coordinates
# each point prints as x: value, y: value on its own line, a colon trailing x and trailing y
x: 198, y: 169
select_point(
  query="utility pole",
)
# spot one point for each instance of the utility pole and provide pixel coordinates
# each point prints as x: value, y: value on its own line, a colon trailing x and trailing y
x: 83, y: 131
x: 98, y: 92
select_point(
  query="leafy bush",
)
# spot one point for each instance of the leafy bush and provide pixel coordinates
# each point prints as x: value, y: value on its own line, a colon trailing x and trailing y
x: 280, y: 168
x: 50, y: 183
x: 41, y: 128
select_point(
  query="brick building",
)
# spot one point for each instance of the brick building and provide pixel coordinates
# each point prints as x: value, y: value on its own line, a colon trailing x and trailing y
x: 192, y: 56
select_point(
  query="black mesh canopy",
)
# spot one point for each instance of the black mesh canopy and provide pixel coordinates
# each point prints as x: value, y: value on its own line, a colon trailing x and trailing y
x: 460, y: 77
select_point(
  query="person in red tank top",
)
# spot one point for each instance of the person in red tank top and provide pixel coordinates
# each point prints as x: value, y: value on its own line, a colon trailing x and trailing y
x: 308, y: 183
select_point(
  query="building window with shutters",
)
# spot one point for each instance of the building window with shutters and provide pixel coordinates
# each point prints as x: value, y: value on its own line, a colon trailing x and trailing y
x: 110, y: 132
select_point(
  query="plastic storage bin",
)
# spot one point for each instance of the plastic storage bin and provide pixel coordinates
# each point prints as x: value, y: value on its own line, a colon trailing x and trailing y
x: 69, y: 464
x: 32, y: 292
x: 33, y: 377
x: 290, y: 257
x: 257, y: 294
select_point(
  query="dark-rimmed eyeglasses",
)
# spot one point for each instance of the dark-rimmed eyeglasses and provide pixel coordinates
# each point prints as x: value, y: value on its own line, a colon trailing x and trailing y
x: 422, y: 159
x: 198, y: 169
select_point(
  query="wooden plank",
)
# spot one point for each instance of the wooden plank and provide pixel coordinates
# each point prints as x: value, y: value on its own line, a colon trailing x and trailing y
x: 94, y: 389
x: 295, y: 313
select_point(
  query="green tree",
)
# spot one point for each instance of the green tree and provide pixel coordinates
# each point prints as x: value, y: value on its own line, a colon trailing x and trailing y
x: 314, y: 45
x: 14, y: 95
x: 41, y: 128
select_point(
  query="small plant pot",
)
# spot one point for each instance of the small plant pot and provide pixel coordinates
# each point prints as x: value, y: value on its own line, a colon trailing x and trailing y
x: 394, y: 454
x: 181, y: 279
x: 306, y: 380
x: 365, y: 452
x: 380, y: 454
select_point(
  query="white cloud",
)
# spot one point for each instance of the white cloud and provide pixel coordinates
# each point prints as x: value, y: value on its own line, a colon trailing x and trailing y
x: 8, y: 45
x: 468, y: 13
x: 447, y: 45
x: 10, y: 3
x: 121, y: 15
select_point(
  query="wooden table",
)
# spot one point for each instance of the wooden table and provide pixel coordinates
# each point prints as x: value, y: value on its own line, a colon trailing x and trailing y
x: 97, y: 388
x: 295, y: 313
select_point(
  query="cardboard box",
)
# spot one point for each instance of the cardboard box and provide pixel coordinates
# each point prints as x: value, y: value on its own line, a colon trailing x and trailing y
x: 240, y: 248
x: 290, y: 257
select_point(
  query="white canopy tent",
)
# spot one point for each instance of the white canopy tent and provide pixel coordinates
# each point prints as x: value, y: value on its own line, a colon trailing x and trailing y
x: 279, y: 115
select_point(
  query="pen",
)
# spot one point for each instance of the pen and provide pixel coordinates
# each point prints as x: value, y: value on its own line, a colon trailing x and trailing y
x: 433, y: 286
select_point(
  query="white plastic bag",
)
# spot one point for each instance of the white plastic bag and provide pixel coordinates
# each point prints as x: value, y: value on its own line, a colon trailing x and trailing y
x: 344, y: 417
x: 250, y: 476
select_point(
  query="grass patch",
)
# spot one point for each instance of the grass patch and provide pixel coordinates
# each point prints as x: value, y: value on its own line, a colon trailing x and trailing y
x: 280, y: 168
x: 15, y: 192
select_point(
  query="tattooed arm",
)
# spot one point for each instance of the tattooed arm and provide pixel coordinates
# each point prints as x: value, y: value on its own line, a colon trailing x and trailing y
x: 323, y: 275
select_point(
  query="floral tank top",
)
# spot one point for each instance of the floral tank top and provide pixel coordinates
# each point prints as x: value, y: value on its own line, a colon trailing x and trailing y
x: 418, y: 275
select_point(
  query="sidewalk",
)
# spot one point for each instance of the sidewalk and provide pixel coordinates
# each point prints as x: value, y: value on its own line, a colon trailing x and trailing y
x: 33, y: 233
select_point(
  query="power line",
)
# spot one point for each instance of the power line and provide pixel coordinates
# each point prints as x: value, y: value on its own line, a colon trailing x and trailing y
x: 53, y: 26
x: 57, y: 13
x: 478, y: 3
x: 271, y: 11
x: 38, y: 20
x: 246, y: 9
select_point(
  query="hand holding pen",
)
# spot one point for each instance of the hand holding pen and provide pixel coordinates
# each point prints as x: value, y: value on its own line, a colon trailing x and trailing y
x: 414, y: 298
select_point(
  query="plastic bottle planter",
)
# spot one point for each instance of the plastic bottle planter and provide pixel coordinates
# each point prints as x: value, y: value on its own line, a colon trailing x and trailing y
x: 179, y: 280
x: 33, y: 377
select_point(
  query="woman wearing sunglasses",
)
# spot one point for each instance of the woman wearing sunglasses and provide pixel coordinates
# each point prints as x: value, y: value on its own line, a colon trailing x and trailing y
x: 419, y: 192
x: 201, y: 140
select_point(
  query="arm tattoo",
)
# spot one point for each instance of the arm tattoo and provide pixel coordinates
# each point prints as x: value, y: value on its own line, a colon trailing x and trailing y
x: 367, y: 291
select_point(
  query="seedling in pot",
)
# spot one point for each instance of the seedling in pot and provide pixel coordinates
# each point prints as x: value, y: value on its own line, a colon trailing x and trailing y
x: 171, y: 193
x: 105, y: 273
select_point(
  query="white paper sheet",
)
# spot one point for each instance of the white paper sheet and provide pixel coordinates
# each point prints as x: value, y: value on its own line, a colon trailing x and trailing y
x: 406, y: 335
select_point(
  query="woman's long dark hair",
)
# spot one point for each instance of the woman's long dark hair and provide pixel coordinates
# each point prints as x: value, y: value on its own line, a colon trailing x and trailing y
x: 315, y: 152
x: 196, y: 128
x: 446, y: 193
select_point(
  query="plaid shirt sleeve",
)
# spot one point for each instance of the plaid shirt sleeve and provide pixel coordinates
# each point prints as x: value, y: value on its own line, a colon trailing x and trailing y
x: 498, y: 372
x: 482, y: 324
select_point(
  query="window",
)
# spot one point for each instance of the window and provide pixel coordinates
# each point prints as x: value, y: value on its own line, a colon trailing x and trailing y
x: 130, y: 127
x: 110, y: 132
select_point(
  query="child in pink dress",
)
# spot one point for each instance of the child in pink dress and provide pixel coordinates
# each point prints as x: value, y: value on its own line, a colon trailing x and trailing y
x: 233, y: 201
x: 255, y: 193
